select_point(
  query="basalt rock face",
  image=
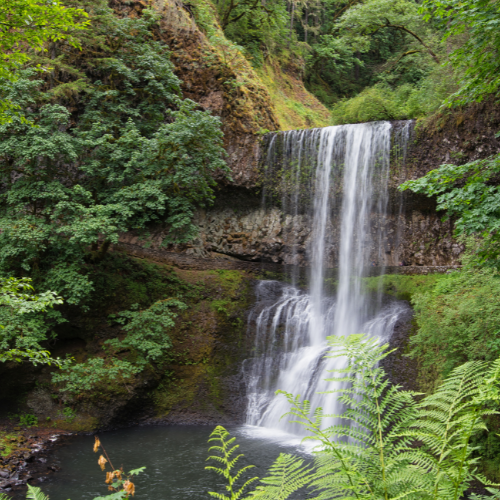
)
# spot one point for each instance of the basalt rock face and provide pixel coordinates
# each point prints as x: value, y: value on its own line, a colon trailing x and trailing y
x: 415, y: 237
x: 263, y: 225
x: 457, y: 137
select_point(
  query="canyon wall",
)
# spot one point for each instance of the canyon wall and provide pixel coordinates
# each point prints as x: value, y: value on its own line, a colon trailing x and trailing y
x: 249, y: 224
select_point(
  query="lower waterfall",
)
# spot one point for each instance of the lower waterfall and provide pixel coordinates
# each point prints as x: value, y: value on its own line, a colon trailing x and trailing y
x: 346, y: 192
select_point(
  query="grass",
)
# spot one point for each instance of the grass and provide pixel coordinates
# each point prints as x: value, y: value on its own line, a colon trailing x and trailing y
x: 295, y: 107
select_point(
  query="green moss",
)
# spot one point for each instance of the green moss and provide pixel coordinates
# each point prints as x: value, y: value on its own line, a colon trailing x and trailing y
x: 295, y: 107
x: 9, y: 442
x: 173, y: 393
x: 403, y: 287
x: 214, y: 385
x: 229, y: 280
x: 195, y: 372
x: 81, y: 423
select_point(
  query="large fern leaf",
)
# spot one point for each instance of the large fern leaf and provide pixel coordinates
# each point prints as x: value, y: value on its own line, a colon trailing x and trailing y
x: 226, y: 449
x: 445, y: 423
x: 35, y: 493
x: 287, y: 475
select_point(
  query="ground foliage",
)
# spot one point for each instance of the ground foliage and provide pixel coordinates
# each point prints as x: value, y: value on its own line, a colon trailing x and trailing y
x: 371, y: 454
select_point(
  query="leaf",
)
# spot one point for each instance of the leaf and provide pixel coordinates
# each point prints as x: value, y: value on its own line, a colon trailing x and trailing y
x: 35, y: 493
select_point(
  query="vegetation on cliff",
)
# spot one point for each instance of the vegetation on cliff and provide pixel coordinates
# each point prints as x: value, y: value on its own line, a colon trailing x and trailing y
x: 375, y: 59
x: 103, y: 145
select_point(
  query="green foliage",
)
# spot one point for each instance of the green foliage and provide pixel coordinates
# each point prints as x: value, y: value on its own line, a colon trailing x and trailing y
x: 380, y: 53
x: 87, y: 376
x: 69, y: 414
x: 28, y: 420
x: 373, y: 453
x: 383, y: 102
x: 463, y: 36
x: 145, y: 342
x: 22, y: 323
x: 115, y: 148
x: 145, y: 330
x: 138, y: 154
x: 31, y: 24
x: 467, y: 193
x: 458, y: 321
x: 18, y: 295
x: 35, y: 493
x: 259, y: 27
x: 287, y: 475
x: 401, y: 286
x: 225, y: 451
x: 477, y: 58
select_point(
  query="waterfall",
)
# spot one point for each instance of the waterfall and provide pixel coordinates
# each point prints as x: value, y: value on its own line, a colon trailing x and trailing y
x: 336, y: 177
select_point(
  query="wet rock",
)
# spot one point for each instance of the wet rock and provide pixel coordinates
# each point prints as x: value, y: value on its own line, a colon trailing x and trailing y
x: 41, y: 403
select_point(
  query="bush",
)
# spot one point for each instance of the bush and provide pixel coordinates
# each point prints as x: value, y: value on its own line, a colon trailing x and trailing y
x: 407, y: 101
x: 458, y: 321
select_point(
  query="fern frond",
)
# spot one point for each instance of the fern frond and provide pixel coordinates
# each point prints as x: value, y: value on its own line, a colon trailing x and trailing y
x: 35, y: 493
x: 286, y: 476
x: 226, y: 449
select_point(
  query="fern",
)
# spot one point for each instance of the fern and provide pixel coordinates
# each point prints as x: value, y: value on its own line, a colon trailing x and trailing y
x: 363, y: 456
x: 495, y: 495
x: 35, y: 493
x: 386, y: 445
x: 446, y: 422
x: 286, y: 476
x: 226, y: 450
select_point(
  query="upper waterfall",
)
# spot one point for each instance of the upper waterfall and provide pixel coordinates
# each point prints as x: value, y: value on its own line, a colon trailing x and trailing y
x: 338, y: 177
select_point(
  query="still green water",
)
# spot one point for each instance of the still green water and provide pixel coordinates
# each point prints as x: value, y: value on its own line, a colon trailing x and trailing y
x: 174, y: 457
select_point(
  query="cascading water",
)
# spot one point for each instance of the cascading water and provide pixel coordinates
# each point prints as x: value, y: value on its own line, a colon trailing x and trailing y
x: 337, y: 176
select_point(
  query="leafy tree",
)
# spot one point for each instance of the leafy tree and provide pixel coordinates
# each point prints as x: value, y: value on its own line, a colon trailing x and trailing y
x: 468, y: 194
x: 477, y: 59
x: 17, y: 298
x: 115, y: 148
x: 135, y: 154
x: 30, y: 24
x: 261, y: 28
x: 369, y: 43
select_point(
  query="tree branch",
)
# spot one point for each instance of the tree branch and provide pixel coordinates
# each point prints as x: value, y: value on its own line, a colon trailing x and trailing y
x: 405, y: 29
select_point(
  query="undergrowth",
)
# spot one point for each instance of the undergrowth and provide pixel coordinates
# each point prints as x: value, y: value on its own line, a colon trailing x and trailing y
x: 386, y: 444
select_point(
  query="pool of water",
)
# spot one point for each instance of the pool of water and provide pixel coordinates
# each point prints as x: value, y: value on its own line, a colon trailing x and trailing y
x: 174, y: 456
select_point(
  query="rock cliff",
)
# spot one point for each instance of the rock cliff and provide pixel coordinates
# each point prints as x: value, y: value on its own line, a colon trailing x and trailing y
x: 245, y: 225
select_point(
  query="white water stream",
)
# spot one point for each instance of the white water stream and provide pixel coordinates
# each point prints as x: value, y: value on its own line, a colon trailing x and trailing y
x: 351, y: 165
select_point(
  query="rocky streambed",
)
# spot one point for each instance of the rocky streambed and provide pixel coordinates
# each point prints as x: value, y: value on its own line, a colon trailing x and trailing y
x: 25, y: 455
